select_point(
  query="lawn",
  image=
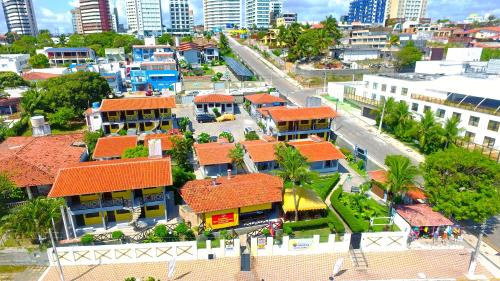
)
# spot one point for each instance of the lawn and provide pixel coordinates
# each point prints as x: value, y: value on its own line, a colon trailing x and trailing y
x: 12, y: 268
x: 323, y: 233
x: 202, y: 244
x: 322, y: 185
x: 73, y: 128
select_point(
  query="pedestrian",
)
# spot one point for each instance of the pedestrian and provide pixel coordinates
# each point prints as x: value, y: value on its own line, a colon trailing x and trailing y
x: 445, y: 237
x: 436, y: 235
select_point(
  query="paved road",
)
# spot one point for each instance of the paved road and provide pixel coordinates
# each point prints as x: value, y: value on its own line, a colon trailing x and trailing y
x: 347, y: 128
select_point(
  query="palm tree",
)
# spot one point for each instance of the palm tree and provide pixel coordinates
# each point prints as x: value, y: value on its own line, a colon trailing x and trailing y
x: 401, y: 174
x: 294, y: 169
x: 237, y: 155
x: 451, y: 130
x: 426, y: 128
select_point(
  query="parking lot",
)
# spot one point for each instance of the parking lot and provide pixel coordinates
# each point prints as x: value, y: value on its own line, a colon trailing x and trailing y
x: 235, y: 127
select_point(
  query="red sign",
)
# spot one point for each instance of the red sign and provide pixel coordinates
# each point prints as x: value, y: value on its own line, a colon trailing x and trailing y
x: 222, y: 218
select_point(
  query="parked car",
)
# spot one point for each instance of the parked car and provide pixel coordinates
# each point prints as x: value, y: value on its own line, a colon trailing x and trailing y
x: 226, y: 117
x: 248, y: 130
x: 205, y: 118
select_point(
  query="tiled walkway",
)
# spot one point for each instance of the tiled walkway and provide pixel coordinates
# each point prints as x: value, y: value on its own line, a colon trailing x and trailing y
x: 394, y: 265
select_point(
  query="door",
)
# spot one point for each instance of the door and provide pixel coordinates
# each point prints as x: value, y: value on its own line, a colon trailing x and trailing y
x: 223, y: 108
x: 79, y: 220
x: 111, y: 216
x: 205, y: 108
x: 107, y: 196
x: 356, y: 240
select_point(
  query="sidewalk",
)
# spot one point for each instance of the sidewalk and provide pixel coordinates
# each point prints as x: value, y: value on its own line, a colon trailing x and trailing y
x: 489, y: 257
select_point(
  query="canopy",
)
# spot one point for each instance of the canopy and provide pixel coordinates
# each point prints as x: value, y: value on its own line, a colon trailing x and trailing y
x: 307, y: 199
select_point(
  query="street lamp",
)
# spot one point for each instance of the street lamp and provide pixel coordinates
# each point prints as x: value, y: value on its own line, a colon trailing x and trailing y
x: 473, y: 260
x: 381, y: 119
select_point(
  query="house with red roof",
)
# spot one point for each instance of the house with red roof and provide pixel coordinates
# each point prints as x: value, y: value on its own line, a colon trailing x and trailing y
x: 379, y: 179
x: 232, y: 201
x: 32, y: 163
x: 205, y: 104
x: 262, y: 100
x: 322, y: 156
x: 260, y: 155
x: 104, y: 194
x: 286, y: 123
x: 113, y: 147
x: 213, y: 158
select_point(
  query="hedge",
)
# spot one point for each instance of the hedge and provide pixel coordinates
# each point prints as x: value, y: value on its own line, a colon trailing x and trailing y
x: 324, y: 185
x: 346, y: 213
x: 300, y: 225
x: 335, y: 222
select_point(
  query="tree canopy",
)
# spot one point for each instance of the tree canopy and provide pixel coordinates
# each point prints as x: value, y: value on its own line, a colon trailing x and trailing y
x: 407, y: 57
x: 166, y: 39
x: 9, y: 79
x: 401, y: 173
x: 39, y: 61
x: 135, y: 152
x: 100, y: 41
x: 463, y: 184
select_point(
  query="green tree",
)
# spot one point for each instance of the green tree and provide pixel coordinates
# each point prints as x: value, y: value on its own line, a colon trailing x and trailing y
x: 393, y: 41
x: 227, y: 135
x: 330, y: 25
x: 181, y: 151
x: 224, y: 47
x: 39, y: 61
x: 183, y: 123
x: 429, y: 133
x: 180, y: 176
x: 490, y: 53
x: 294, y: 169
x: 62, y: 117
x: 251, y: 136
x: 44, y: 39
x: 166, y: 39
x: 237, y: 155
x: 9, y: 192
x: 9, y: 79
x: 187, y: 39
x: 135, y: 152
x: 203, y: 138
x: 451, y: 131
x: 407, y: 57
x: 90, y: 140
x: 25, y: 45
x: 401, y: 174
x: 462, y: 184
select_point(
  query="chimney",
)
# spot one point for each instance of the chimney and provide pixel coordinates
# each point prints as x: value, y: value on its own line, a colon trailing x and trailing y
x: 228, y: 174
x: 214, y: 180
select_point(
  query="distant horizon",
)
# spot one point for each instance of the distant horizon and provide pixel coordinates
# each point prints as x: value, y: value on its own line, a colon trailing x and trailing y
x: 56, y: 17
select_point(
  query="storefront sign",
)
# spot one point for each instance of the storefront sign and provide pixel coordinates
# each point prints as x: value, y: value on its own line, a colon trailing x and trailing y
x: 222, y: 218
x: 300, y: 244
x: 229, y: 244
x: 261, y: 242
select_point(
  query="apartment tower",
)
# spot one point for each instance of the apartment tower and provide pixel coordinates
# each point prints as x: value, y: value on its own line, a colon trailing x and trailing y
x: 76, y: 20
x: 20, y: 17
x: 220, y: 14
x: 180, y: 18
x: 144, y: 17
x: 95, y: 15
x: 407, y: 9
x: 367, y: 11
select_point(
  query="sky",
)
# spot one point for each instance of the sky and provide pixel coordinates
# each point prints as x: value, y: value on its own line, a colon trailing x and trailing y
x: 54, y: 15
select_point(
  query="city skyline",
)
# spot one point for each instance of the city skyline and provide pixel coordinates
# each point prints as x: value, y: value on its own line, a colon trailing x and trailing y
x: 56, y: 17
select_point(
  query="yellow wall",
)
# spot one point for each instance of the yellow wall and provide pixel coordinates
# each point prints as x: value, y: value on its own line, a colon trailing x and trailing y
x: 208, y: 219
x: 89, y: 197
x: 166, y: 125
x: 123, y: 217
x: 152, y: 190
x: 122, y: 194
x: 93, y: 220
x: 155, y: 213
x: 265, y: 206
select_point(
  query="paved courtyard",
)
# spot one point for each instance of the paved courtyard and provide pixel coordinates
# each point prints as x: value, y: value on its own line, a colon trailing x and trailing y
x: 414, y: 264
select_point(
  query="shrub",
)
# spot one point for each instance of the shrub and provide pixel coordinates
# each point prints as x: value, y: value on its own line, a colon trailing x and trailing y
x: 189, y: 235
x: 181, y: 228
x: 360, y: 164
x: 227, y: 135
x: 130, y: 279
x: 251, y: 136
x: 287, y: 229
x: 87, y: 239
x: 335, y: 223
x: 161, y: 231
x: 324, y: 185
x: 348, y: 154
x: 346, y: 213
x: 266, y: 232
x: 118, y: 234
x: 216, y: 112
x: 300, y: 225
x: 219, y: 75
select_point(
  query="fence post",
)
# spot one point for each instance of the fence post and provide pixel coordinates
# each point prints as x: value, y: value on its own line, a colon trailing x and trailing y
x: 269, y: 246
x: 286, y: 241
x: 253, y: 246
x: 236, y: 245
x: 222, y: 247
x: 315, y: 242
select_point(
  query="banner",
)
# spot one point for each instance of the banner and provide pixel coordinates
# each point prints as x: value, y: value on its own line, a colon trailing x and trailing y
x: 299, y: 244
x: 222, y: 218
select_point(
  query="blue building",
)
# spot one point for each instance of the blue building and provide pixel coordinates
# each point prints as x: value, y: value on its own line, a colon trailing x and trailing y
x: 367, y: 11
x: 110, y: 72
x: 155, y: 80
x: 147, y: 53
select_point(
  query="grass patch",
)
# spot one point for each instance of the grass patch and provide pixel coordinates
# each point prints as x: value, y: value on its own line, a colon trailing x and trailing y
x: 322, y: 185
x: 12, y: 268
x: 202, y: 244
x: 73, y: 128
x: 323, y: 233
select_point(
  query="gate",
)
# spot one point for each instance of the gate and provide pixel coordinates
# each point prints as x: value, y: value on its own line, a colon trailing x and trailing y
x: 355, y: 241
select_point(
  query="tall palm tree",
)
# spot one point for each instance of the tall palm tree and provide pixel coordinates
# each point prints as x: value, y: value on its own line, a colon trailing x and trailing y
x: 401, y: 174
x: 427, y: 127
x: 237, y: 155
x: 294, y: 169
x: 451, y: 130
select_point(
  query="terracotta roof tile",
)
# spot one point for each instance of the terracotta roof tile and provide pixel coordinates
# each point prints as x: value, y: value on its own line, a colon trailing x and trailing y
x: 264, y: 99
x: 416, y: 193
x: 260, y: 150
x: 137, y: 103
x: 301, y: 113
x: 315, y: 151
x: 379, y: 176
x: 238, y: 191
x: 213, y: 98
x: 32, y: 161
x: 186, y: 46
x: 112, y: 175
x: 264, y: 111
x: 422, y: 215
x: 38, y: 76
x: 111, y: 147
x: 213, y: 153
x: 166, y: 140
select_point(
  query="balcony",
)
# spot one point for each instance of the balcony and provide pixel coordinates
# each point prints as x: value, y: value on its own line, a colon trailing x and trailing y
x: 148, y: 116
x: 165, y: 115
x: 94, y: 204
x: 362, y: 100
x: 465, y: 106
x: 116, y: 118
x: 154, y: 197
x: 131, y: 117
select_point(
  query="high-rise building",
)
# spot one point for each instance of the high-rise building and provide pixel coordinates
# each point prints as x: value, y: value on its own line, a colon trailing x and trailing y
x: 257, y: 13
x: 20, y: 17
x: 286, y: 19
x: 96, y: 16
x: 179, y: 17
x: 144, y: 17
x: 367, y: 11
x: 407, y: 9
x: 191, y: 20
x: 220, y: 14
x: 275, y: 10
x: 76, y: 20
x: 114, y: 19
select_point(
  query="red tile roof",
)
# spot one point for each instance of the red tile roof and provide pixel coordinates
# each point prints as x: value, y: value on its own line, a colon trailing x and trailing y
x: 422, y: 215
x: 264, y: 111
x: 315, y: 151
x: 166, y: 140
x: 379, y: 176
x: 212, y: 98
x: 260, y: 150
x: 111, y: 147
x: 38, y: 76
x: 488, y: 28
x: 416, y: 193
x: 34, y: 161
x: 137, y: 103
x: 238, y: 191
x: 112, y: 175
x: 301, y: 113
x: 213, y: 153
x: 186, y: 46
x: 264, y: 99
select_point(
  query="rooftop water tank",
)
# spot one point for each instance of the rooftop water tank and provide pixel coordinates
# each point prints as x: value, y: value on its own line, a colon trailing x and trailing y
x: 37, y: 121
x: 95, y: 105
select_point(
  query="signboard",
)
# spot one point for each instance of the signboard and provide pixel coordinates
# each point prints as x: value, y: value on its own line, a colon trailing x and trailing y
x: 261, y: 242
x: 229, y: 244
x: 299, y: 244
x: 222, y: 218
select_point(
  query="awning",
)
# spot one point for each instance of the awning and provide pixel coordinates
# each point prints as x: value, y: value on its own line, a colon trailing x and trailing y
x: 307, y: 200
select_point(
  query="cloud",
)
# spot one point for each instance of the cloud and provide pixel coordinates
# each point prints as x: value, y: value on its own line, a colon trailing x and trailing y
x: 74, y: 3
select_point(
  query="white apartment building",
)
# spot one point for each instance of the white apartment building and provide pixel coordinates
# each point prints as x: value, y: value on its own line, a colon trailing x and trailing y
x: 472, y: 97
x: 76, y: 20
x: 408, y: 9
x: 20, y: 17
x: 219, y: 14
x: 258, y: 13
x: 14, y: 63
x: 180, y: 18
x: 144, y: 17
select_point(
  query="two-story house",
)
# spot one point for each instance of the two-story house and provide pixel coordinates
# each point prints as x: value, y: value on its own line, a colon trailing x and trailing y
x: 103, y: 194
x: 205, y: 104
x: 260, y: 155
x: 213, y: 157
x: 257, y: 101
x: 322, y: 156
x: 112, y: 147
x: 147, y: 114
x: 287, y: 124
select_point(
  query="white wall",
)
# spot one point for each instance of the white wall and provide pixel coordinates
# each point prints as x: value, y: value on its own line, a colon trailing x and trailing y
x: 14, y: 63
x: 464, y: 54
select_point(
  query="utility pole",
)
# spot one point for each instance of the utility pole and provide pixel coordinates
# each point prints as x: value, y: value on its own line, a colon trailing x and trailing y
x: 381, y: 120
x: 475, y: 254
x: 54, y: 248
x: 324, y: 87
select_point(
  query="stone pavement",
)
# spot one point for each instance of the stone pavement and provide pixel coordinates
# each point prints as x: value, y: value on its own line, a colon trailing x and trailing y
x: 438, y: 264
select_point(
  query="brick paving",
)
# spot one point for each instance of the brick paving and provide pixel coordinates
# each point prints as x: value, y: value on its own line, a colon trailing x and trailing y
x: 393, y: 265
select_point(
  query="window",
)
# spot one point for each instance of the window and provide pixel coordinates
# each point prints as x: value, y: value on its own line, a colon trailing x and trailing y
x: 384, y: 87
x: 489, y: 142
x: 493, y: 125
x: 229, y: 105
x: 474, y: 121
x: 414, y: 106
x: 382, y: 98
x: 470, y: 136
x: 122, y: 211
x: 375, y: 85
x: 304, y: 122
x: 328, y: 163
x: 426, y: 107
x: 281, y: 124
x: 393, y: 89
x: 152, y: 208
x: 95, y: 215
x: 404, y: 91
x: 374, y: 96
x: 440, y: 112
x: 457, y: 115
